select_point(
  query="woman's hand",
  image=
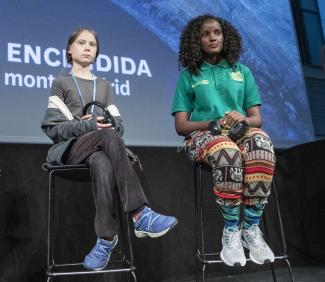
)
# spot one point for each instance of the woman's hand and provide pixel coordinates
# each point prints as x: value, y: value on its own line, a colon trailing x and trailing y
x: 253, y: 118
x: 87, y: 117
x: 98, y: 118
x: 231, y: 118
x: 102, y: 125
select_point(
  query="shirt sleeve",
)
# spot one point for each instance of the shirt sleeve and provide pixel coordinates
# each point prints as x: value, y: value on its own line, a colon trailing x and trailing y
x: 252, y: 97
x: 57, y: 89
x: 183, y: 99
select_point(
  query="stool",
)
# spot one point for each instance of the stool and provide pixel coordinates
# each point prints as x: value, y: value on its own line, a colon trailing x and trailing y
x: 125, y: 264
x: 203, y: 257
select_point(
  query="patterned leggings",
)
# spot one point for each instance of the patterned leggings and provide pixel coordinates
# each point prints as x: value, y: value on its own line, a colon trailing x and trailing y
x: 242, y: 172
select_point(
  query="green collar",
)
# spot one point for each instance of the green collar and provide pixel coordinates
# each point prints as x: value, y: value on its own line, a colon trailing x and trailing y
x: 223, y: 64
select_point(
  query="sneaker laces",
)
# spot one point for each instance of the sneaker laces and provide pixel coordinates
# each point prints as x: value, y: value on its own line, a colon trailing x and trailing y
x: 103, y: 251
x: 152, y: 217
x: 255, y: 236
x: 100, y: 251
x: 232, y: 237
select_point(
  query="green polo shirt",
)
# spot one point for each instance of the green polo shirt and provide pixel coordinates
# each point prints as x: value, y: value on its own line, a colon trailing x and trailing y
x: 217, y: 89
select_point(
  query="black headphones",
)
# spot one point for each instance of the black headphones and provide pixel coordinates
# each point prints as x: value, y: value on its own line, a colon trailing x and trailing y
x: 238, y: 130
x: 108, y: 118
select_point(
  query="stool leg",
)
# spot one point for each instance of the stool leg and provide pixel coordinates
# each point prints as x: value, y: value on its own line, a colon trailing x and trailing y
x: 199, y: 222
x: 284, y: 245
x: 129, y: 241
x: 197, y: 270
x: 203, y: 272
x: 130, y: 247
x: 134, y: 278
x: 196, y: 223
x: 268, y: 240
x: 290, y: 270
x: 126, y: 239
x: 273, y: 271
x: 50, y: 229
x: 122, y: 221
x: 202, y: 246
x: 202, y: 250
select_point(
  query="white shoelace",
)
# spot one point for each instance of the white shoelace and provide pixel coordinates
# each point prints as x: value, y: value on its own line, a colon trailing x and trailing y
x: 151, y: 218
x: 254, y: 236
x: 232, y: 238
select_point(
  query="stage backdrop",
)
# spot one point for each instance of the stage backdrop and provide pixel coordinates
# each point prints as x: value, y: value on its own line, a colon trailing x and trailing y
x: 139, y: 43
x: 321, y: 8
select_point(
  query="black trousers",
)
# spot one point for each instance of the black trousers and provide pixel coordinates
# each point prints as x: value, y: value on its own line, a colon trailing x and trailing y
x: 110, y: 169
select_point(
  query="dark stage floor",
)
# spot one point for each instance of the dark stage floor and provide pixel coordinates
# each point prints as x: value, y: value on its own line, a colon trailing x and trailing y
x: 311, y: 273
x: 301, y: 274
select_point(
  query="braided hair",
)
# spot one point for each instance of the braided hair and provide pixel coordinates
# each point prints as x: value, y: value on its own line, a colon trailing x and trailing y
x: 190, y: 51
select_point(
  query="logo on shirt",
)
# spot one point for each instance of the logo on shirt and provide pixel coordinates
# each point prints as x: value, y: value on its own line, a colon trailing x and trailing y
x: 236, y: 75
x: 204, y: 81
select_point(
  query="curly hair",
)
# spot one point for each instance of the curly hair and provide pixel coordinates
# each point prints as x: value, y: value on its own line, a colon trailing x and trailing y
x: 190, y: 51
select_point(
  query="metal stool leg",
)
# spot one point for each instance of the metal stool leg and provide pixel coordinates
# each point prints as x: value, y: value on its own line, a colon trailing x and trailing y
x: 202, y: 243
x: 134, y: 278
x: 201, y: 259
x: 199, y: 224
x: 268, y: 240
x: 196, y: 224
x: 50, y: 228
x: 284, y: 245
x: 126, y: 234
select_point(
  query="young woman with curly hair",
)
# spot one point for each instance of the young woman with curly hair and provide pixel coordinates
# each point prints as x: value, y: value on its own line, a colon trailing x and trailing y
x: 217, y: 107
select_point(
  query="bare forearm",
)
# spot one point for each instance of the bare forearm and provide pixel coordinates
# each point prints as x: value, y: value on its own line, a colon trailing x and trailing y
x: 186, y: 127
x: 254, y: 121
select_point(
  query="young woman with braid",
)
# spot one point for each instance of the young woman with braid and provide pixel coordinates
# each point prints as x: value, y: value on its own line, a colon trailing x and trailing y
x: 215, y: 92
x: 86, y: 138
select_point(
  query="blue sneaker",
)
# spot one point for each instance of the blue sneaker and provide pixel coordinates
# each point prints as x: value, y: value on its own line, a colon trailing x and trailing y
x: 98, y: 257
x: 153, y: 224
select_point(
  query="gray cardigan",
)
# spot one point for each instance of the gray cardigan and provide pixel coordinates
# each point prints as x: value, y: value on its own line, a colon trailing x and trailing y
x: 62, y: 121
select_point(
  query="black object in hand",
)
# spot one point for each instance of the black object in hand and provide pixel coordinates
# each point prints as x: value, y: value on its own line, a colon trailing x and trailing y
x: 108, y: 118
x: 215, y: 128
x: 238, y: 130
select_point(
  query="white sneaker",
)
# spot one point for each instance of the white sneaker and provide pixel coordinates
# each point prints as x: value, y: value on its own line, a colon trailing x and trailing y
x: 259, y: 251
x: 232, y: 252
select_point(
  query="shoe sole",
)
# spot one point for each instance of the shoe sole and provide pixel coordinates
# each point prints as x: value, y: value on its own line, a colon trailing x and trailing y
x: 95, y: 269
x: 253, y: 259
x: 142, y: 234
x: 236, y: 264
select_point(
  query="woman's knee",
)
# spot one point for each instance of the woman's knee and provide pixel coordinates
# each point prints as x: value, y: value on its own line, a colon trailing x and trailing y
x: 225, y: 155
x: 257, y: 139
x: 110, y: 137
x: 98, y: 161
x: 108, y: 133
